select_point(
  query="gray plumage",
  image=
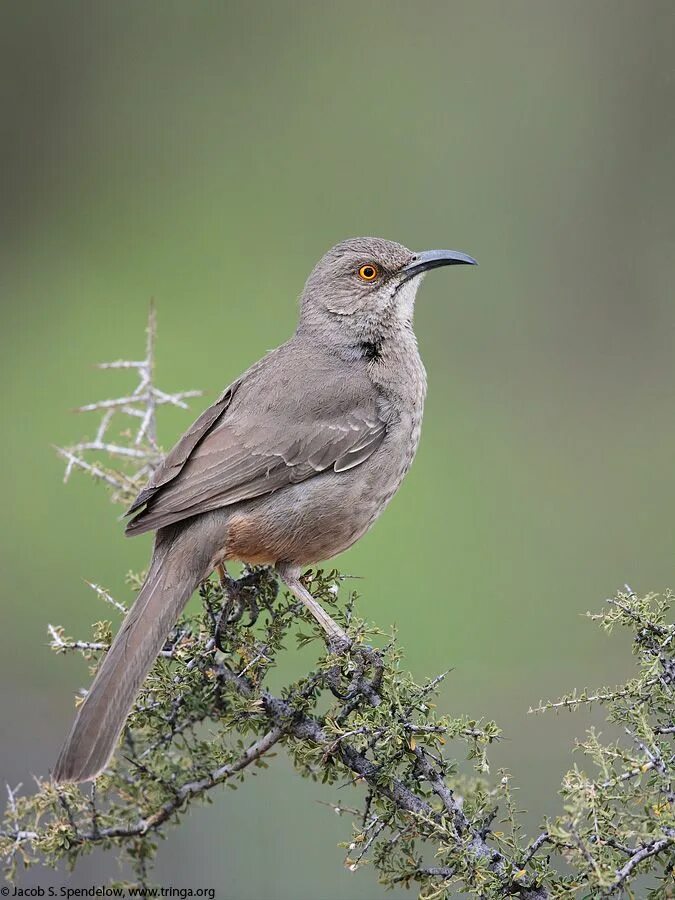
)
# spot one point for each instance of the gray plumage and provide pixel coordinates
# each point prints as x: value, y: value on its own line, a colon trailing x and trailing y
x: 290, y: 466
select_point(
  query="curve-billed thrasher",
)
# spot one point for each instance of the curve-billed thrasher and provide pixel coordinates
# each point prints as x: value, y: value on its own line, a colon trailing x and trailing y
x: 290, y: 466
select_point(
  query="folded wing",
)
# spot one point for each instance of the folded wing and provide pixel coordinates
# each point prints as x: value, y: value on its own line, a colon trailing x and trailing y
x: 242, y: 448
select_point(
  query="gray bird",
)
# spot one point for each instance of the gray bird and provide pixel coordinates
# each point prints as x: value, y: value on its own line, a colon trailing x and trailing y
x: 290, y: 466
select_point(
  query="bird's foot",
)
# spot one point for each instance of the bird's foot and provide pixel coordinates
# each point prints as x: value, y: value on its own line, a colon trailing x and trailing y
x: 242, y: 595
x: 365, y: 679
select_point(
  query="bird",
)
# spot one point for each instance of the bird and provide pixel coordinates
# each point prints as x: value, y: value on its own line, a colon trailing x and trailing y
x: 289, y: 467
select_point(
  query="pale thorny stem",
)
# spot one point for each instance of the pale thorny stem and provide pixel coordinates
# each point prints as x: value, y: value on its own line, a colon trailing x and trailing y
x: 58, y: 643
x: 149, y: 422
x: 105, y: 595
x: 140, y: 404
x: 19, y: 835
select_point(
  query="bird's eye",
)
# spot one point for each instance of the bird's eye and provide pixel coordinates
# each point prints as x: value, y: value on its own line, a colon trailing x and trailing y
x: 368, y: 273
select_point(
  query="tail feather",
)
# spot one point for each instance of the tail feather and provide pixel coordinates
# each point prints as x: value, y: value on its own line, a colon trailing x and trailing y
x: 174, y: 574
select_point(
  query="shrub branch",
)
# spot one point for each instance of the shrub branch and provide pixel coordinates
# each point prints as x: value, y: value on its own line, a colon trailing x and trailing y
x: 427, y: 811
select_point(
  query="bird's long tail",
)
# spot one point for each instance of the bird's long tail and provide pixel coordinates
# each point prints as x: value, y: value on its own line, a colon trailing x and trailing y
x: 175, y: 572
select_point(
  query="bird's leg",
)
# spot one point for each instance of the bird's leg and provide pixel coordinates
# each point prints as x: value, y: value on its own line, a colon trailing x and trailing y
x: 337, y: 638
x: 204, y: 594
x: 228, y: 588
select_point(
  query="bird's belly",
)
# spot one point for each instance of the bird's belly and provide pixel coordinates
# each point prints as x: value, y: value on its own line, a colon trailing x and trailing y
x: 311, y: 521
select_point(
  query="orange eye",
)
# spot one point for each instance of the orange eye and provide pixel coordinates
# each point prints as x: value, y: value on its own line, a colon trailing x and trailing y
x: 369, y: 272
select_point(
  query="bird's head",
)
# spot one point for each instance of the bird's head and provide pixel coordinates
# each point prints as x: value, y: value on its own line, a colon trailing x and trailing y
x: 363, y: 289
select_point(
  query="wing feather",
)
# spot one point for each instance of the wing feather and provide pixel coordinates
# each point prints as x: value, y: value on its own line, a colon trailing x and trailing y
x: 176, y: 458
x: 239, y: 449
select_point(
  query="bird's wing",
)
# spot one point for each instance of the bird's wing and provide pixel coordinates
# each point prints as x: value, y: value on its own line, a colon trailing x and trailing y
x: 249, y: 444
x: 174, y: 461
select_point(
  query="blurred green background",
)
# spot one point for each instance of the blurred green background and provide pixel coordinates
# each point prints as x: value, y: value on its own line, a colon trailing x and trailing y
x: 206, y: 154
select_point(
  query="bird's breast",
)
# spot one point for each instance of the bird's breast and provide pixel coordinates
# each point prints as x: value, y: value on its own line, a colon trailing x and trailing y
x: 403, y: 396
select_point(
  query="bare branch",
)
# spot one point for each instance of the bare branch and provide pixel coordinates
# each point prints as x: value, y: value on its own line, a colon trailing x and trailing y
x: 141, y: 404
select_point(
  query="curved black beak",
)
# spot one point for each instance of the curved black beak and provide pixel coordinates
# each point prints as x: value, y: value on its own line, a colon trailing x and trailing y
x: 432, y: 259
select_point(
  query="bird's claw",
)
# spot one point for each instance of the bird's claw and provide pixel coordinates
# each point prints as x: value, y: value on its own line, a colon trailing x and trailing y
x: 364, y: 681
x: 240, y: 595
